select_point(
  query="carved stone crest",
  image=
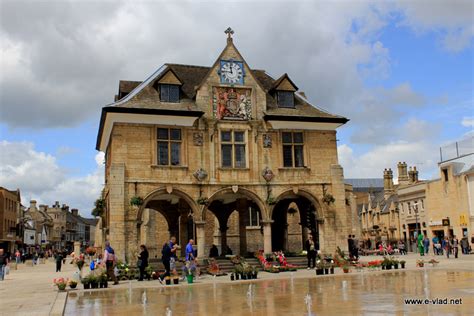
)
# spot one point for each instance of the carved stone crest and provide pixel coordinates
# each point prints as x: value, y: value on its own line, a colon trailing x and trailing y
x: 169, y: 189
x: 267, y: 141
x: 267, y: 174
x: 200, y: 174
x: 235, y: 188
x: 198, y: 139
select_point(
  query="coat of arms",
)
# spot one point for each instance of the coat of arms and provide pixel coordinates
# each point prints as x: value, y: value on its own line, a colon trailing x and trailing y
x: 232, y: 104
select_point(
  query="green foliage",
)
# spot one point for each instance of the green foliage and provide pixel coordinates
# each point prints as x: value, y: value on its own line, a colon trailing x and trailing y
x: 99, y: 207
x: 136, y: 201
x: 328, y: 198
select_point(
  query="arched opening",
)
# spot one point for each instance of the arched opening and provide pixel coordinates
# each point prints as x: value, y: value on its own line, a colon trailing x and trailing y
x: 237, y: 218
x: 294, y: 217
x: 164, y: 215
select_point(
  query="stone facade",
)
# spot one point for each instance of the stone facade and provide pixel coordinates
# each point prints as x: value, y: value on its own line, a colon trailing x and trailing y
x: 10, y: 202
x: 228, y: 206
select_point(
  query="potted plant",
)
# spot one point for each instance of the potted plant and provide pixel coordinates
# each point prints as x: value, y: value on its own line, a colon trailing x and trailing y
x: 328, y: 198
x: 232, y: 278
x: 395, y: 263
x: 94, y: 281
x: 326, y: 268
x: 72, y: 284
x: 202, y: 200
x: 103, y: 280
x: 167, y: 280
x: 86, y: 282
x: 90, y: 251
x: 61, y: 283
x: 271, y: 200
x: 331, y: 267
x: 345, y: 268
x: 255, y: 272
x: 190, y: 278
x: 175, y: 279
x: 420, y: 263
x: 402, y: 263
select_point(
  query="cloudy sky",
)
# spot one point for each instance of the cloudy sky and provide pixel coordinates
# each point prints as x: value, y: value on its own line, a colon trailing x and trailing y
x: 401, y: 71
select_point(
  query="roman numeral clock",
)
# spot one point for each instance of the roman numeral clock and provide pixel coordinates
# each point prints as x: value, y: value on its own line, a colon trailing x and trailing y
x: 231, y: 72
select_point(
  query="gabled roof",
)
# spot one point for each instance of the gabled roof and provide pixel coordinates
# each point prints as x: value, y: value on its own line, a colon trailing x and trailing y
x: 280, y: 80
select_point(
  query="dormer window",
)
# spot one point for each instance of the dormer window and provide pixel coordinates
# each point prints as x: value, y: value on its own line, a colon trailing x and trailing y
x: 169, y: 93
x: 285, y: 99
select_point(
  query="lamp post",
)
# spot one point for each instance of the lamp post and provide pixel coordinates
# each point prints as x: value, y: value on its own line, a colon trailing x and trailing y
x: 415, y: 208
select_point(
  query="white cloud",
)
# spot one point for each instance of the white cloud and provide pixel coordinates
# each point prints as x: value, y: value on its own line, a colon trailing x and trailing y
x: 39, y: 177
x: 371, y: 164
x: 468, y: 121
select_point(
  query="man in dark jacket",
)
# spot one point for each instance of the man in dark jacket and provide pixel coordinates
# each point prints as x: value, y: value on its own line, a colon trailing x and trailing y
x: 310, y: 247
x: 168, y: 252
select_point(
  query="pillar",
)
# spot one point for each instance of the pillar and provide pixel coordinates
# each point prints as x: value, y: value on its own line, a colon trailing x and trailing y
x: 267, y: 235
x: 201, y: 239
x: 242, y: 208
x: 77, y: 248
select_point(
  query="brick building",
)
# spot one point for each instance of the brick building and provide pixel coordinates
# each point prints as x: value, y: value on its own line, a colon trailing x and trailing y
x: 10, y: 202
x: 225, y: 154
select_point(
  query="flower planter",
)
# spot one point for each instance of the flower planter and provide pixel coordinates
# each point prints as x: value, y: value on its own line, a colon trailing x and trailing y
x: 395, y: 266
x: 73, y: 286
x: 94, y: 285
x: 403, y: 265
x: 345, y: 270
x: 326, y: 270
x: 176, y: 281
x: 190, y: 278
x: 168, y: 281
x: 87, y: 286
x: 384, y: 267
x: 331, y: 270
x: 61, y: 287
x: 319, y: 271
x: 389, y: 267
x: 232, y: 277
x: 237, y: 277
x: 244, y: 277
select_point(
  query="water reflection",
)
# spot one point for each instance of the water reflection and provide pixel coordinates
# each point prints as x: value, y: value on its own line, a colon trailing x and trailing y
x: 364, y: 294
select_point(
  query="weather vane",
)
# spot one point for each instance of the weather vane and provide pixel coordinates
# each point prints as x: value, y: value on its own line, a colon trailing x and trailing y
x: 229, y: 32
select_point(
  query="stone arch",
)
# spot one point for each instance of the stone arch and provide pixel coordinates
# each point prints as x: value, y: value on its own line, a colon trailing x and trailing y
x: 304, y: 193
x: 246, y: 192
x: 163, y: 190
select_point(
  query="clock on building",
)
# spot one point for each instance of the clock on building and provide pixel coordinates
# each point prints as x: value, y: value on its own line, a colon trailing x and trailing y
x: 232, y: 72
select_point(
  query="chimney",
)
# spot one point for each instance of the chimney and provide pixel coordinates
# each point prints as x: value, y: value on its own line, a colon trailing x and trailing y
x: 75, y: 211
x: 411, y: 175
x: 402, y: 173
x: 33, y: 204
x: 388, y: 182
x: 415, y: 175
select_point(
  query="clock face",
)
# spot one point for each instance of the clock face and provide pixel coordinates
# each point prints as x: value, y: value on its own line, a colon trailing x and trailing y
x: 232, y: 72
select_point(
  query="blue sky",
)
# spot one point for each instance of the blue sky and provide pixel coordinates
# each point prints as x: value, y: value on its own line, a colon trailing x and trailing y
x: 401, y: 71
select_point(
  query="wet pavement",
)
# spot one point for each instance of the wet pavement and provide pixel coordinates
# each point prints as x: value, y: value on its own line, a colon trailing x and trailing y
x: 363, y: 293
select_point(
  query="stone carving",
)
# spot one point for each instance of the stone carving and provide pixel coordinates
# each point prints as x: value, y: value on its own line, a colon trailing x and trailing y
x: 200, y: 174
x: 235, y: 188
x: 267, y: 174
x: 198, y: 139
x: 232, y: 104
x: 267, y: 141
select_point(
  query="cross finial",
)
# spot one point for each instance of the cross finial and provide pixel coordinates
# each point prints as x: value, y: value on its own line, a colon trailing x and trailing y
x: 229, y: 32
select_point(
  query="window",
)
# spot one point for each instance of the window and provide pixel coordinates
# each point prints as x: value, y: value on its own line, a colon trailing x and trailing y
x: 169, y: 146
x: 254, y: 217
x: 445, y: 174
x: 169, y: 93
x: 285, y: 99
x: 233, y: 149
x: 292, y: 149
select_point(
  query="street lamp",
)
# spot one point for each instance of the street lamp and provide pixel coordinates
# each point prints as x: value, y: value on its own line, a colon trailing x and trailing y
x: 415, y: 208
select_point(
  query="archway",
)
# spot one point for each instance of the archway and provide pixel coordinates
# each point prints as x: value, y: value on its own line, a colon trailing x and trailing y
x: 167, y: 214
x: 294, y: 217
x: 238, y: 214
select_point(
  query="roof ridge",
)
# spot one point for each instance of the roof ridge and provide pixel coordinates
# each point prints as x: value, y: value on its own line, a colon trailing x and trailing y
x: 187, y: 65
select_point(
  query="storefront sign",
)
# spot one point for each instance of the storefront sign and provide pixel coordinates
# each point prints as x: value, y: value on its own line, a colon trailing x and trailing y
x: 435, y: 223
x: 445, y: 221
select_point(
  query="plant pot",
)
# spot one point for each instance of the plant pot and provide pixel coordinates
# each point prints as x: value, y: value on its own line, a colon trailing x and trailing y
x: 94, y: 285
x: 395, y: 266
x: 331, y: 270
x: 61, y: 287
x: 168, y: 281
x: 176, y: 281
x: 255, y: 275
x: 389, y: 267
x: 244, y: 277
x: 72, y: 286
x: 232, y: 277
x: 403, y: 265
x: 87, y: 286
x: 345, y: 270
x: 190, y: 278
x: 319, y: 271
x: 384, y: 267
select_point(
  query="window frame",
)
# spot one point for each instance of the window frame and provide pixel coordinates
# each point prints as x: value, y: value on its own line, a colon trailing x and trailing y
x: 162, y: 86
x: 280, y: 99
x: 293, y: 145
x: 233, y: 144
x: 257, y: 212
x: 169, y: 143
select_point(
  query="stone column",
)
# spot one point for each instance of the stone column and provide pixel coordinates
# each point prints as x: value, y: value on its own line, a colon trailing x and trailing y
x: 77, y: 248
x: 242, y: 208
x: 267, y: 235
x: 201, y: 239
x: 117, y: 229
x: 223, y: 230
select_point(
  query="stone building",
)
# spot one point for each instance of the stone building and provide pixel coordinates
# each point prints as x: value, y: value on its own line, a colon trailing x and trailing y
x: 10, y: 202
x: 224, y: 154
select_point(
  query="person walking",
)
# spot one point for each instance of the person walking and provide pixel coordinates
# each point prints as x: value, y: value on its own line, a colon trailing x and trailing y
x: 142, y: 261
x: 110, y: 261
x: 168, y: 253
x: 17, y: 256
x: 435, y: 241
x: 426, y: 244
x: 189, y: 251
x: 355, y: 246
x: 455, y: 246
x: 421, y: 249
x: 350, y: 245
x: 447, y: 246
x: 3, y: 263
x: 311, y: 252
x: 464, y: 245
x: 59, y: 260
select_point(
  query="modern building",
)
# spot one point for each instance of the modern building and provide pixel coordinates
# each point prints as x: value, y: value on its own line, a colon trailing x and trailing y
x: 226, y: 154
x: 10, y: 202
